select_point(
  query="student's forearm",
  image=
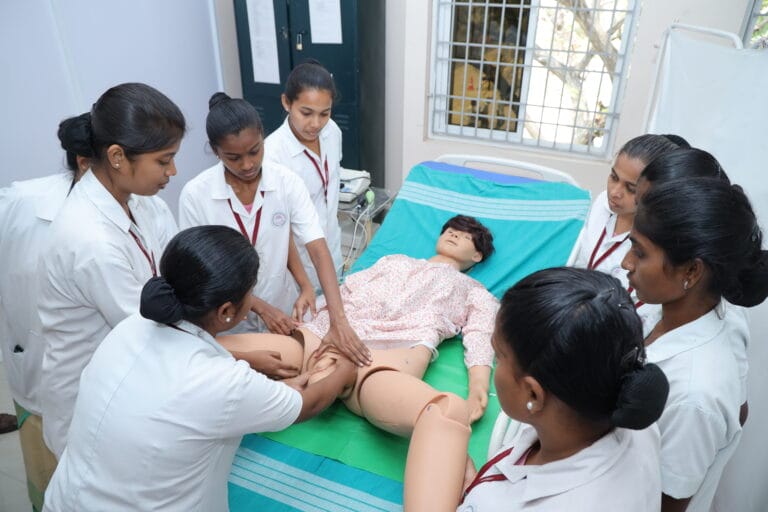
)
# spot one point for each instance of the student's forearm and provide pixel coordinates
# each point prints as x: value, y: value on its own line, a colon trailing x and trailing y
x: 316, y: 397
x: 295, y: 265
x: 321, y: 259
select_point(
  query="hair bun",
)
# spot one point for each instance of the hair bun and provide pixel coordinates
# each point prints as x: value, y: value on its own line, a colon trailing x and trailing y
x: 642, y: 397
x: 76, y: 136
x: 218, y: 97
x: 159, y: 302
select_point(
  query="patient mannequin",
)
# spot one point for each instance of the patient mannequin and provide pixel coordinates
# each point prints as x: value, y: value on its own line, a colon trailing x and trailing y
x: 402, y: 308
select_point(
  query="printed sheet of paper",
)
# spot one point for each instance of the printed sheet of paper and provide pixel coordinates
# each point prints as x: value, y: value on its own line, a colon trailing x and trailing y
x: 325, y: 21
x: 261, y: 25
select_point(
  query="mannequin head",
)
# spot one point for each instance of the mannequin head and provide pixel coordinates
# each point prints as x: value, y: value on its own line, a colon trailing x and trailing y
x: 464, y: 240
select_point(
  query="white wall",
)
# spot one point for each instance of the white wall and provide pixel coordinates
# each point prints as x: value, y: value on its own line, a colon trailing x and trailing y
x: 58, y: 56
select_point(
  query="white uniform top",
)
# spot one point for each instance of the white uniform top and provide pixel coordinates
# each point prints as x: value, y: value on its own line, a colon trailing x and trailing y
x: 284, y: 148
x: 704, y: 362
x: 602, y: 218
x: 26, y: 211
x: 286, y: 208
x: 159, y: 417
x: 620, y: 471
x: 91, y: 277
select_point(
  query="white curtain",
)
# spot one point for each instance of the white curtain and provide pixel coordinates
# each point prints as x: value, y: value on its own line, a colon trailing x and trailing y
x: 716, y: 96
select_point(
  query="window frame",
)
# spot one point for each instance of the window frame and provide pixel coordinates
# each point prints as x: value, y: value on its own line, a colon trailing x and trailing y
x: 438, y: 95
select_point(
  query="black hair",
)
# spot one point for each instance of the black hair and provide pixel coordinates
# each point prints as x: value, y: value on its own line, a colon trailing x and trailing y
x: 577, y: 333
x: 135, y: 116
x: 202, y: 268
x: 647, y: 147
x: 678, y: 140
x: 75, y: 137
x: 309, y: 75
x: 712, y: 220
x: 481, y: 235
x: 683, y: 163
x: 229, y: 116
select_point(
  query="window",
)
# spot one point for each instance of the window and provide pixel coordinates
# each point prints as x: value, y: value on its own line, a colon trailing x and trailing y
x: 544, y: 73
x: 756, y: 33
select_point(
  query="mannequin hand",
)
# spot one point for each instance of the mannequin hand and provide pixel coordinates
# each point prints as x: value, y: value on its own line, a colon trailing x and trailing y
x: 477, y: 402
x: 306, y: 300
x: 277, y: 322
x: 346, y: 341
x: 270, y: 363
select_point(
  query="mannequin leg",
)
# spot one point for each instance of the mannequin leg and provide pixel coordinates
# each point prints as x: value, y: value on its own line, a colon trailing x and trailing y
x: 392, y: 400
x: 437, y: 455
x: 291, y: 349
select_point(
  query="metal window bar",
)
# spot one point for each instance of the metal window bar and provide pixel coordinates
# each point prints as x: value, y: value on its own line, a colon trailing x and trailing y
x: 550, y: 80
x: 756, y: 28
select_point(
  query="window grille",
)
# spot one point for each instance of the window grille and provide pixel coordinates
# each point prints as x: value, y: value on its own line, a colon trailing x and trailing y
x: 544, y: 73
x: 756, y: 33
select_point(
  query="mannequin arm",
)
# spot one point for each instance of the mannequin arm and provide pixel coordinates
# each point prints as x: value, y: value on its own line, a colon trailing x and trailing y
x: 477, y: 399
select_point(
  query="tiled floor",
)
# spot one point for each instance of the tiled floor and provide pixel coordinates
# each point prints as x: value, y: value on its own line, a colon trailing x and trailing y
x: 13, y: 483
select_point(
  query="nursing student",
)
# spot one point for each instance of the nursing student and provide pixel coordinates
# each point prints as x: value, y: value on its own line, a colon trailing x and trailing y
x: 695, y: 244
x: 309, y: 143
x: 102, y: 246
x: 603, y: 241
x: 269, y: 205
x: 26, y: 211
x: 570, y: 368
x: 163, y: 406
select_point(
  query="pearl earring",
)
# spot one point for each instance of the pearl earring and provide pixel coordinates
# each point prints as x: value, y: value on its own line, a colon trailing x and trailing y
x: 228, y: 319
x: 685, y: 284
x: 529, y: 406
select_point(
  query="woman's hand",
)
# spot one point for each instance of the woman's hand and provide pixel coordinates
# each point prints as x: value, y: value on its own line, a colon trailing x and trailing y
x: 306, y: 300
x: 470, y: 472
x: 276, y: 321
x: 268, y: 362
x: 341, y: 336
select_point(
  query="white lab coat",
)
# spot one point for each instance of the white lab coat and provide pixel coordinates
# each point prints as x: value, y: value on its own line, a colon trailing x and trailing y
x: 282, y: 147
x: 26, y: 211
x: 602, y: 218
x: 91, y: 277
x: 620, y: 471
x: 158, y: 419
x: 705, y: 363
x: 286, y: 208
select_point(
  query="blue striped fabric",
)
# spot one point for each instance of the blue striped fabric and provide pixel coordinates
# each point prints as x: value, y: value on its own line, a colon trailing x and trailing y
x: 267, y: 475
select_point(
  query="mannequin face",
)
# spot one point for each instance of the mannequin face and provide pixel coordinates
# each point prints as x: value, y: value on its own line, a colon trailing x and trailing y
x: 308, y: 113
x: 146, y: 174
x: 242, y: 154
x: 622, y: 184
x: 654, y: 279
x: 458, y: 245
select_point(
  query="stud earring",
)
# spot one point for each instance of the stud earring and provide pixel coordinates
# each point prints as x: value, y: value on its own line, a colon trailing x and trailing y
x: 228, y: 319
x: 685, y: 284
x: 529, y: 406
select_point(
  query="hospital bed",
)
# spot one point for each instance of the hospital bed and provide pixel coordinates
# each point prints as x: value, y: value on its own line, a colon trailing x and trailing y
x: 338, y: 461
